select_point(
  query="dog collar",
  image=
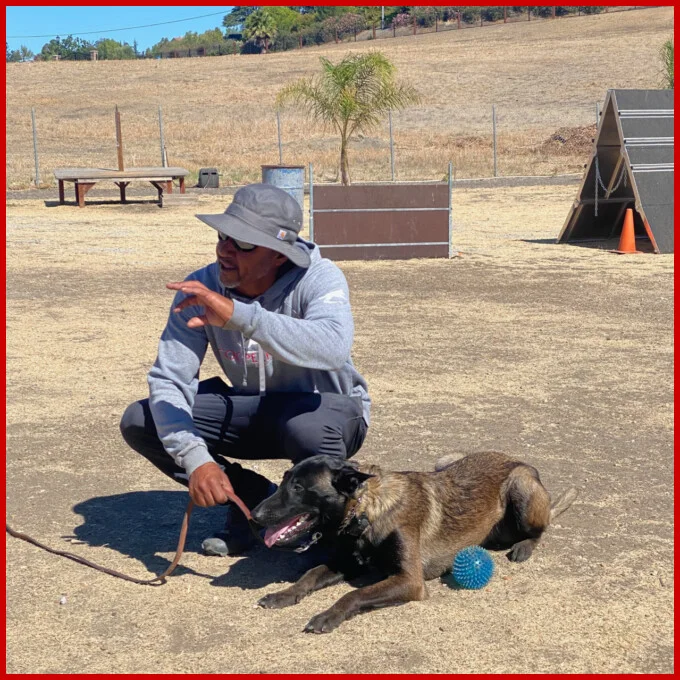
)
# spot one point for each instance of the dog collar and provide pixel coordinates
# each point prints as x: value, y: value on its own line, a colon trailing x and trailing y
x: 354, y: 524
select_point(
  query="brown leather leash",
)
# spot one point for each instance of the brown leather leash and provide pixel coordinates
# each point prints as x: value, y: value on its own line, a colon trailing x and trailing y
x: 157, y: 580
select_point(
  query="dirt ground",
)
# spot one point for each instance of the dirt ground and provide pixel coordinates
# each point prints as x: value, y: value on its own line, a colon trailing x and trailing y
x: 559, y: 354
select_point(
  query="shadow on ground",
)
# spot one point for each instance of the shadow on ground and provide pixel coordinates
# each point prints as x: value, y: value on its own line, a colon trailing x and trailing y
x: 141, y: 524
x: 94, y: 201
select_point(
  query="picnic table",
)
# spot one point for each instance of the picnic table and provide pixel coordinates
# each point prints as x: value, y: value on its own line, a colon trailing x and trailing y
x: 85, y: 178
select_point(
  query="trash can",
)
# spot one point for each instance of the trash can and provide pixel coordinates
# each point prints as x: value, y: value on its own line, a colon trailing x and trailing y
x: 208, y: 178
x: 290, y: 178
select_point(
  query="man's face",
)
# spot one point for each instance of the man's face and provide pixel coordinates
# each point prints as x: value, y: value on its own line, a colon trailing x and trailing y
x: 249, y: 272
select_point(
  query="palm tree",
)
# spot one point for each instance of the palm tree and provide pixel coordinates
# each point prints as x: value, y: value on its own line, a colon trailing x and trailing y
x: 260, y: 28
x: 668, y: 67
x: 350, y: 96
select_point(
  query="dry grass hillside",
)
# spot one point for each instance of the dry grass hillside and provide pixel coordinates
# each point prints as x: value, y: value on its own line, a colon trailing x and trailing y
x: 218, y: 111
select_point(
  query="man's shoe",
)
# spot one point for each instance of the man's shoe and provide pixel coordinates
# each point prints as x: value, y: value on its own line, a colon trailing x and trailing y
x: 237, y: 537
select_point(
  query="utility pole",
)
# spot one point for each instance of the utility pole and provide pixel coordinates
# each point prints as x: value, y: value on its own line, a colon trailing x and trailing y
x: 382, y: 18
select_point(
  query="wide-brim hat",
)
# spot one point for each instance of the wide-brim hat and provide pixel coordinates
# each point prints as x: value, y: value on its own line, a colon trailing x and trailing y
x: 264, y: 215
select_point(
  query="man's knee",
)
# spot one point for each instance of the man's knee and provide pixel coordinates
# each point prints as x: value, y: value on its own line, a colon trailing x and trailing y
x: 132, y: 423
x: 308, y: 435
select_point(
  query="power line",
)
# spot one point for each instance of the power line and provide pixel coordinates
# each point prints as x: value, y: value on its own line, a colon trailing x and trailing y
x: 113, y: 30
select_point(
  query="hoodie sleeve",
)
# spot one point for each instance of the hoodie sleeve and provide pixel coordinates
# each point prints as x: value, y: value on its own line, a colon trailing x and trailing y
x: 173, y: 383
x: 321, y: 339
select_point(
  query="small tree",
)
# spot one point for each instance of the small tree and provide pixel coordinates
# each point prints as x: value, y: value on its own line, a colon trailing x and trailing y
x: 350, y: 96
x: 260, y: 28
x: 668, y: 65
x: 22, y: 54
x: 235, y: 20
x: 371, y: 15
x: 110, y: 49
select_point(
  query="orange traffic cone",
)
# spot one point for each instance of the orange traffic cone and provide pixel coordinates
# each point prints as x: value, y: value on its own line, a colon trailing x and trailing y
x: 627, y: 240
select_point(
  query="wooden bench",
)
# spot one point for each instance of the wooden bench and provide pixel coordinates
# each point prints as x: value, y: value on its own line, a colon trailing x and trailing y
x: 85, y: 178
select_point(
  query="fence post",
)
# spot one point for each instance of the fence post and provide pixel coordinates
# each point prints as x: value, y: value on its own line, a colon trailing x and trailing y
x: 160, y: 126
x: 450, y: 209
x: 311, y: 202
x: 458, y: 16
x: 278, y: 130
x: 505, y: 14
x: 493, y: 118
x: 119, y: 140
x: 414, y: 24
x: 528, y: 13
x: 389, y: 113
x: 35, y: 148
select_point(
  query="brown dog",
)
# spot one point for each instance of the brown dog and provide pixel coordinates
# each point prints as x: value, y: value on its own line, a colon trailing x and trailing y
x: 408, y: 525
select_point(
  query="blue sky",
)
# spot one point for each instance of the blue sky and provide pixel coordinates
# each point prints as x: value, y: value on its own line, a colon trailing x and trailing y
x: 80, y: 21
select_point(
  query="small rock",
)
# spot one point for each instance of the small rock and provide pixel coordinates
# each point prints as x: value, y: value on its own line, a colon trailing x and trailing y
x: 62, y: 599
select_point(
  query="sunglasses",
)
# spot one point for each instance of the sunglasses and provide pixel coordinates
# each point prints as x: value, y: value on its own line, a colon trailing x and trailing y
x: 240, y: 245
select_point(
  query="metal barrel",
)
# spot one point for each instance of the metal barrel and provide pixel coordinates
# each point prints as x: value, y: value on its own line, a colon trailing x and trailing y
x: 290, y: 178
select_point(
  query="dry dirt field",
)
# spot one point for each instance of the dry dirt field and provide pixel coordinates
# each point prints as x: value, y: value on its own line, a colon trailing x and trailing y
x: 545, y: 78
x: 561, y: 355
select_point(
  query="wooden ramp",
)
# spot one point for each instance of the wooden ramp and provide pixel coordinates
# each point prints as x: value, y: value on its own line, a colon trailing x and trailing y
x: 631, y: 166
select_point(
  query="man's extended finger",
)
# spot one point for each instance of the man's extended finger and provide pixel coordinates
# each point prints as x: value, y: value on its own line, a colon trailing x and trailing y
x: 197, y: 322
x: 188, y: 286
x: 187, y: 302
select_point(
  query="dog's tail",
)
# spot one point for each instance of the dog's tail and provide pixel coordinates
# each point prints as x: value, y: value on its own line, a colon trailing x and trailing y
x: 558, y: 506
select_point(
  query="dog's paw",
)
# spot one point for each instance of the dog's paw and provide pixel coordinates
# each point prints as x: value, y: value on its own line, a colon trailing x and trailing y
x: 325, y: 622
x: 278, y: 600
x: 521, y: 551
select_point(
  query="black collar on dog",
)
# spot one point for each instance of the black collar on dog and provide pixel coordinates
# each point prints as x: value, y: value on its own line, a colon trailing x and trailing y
x: 354, y: 524
x: 357, y: 525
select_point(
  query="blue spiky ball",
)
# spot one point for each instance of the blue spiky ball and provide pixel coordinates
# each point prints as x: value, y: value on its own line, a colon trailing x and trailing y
x: 472, y: 567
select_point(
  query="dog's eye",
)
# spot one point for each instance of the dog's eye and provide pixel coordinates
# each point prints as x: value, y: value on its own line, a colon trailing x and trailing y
x: 298, y: 488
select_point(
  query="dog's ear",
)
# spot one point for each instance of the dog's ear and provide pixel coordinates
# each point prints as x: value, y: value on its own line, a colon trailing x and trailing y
x: 348, y: 479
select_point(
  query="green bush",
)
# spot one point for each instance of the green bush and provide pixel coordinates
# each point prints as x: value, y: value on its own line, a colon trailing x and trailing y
x: 470, y: 15
x: 591, y: 9
x: 492, y: 14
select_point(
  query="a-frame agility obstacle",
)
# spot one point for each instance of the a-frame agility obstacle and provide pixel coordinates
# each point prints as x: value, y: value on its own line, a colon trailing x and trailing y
x: 631, y: 166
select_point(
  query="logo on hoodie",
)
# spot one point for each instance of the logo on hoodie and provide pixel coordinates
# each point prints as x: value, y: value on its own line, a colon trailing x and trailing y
x: 335, y: 297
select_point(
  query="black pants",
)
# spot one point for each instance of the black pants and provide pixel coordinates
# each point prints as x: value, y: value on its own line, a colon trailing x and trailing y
x: 290, y: 426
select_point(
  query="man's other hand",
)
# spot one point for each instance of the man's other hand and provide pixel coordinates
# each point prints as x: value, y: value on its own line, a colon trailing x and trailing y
x: 218, y: 309
x: 209, y: 485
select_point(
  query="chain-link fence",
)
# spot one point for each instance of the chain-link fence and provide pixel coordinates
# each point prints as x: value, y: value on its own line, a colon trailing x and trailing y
x: 410, y: 145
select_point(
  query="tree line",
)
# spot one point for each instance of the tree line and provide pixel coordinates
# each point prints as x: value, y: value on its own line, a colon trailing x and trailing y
x: 248, y: 30
x: 73, y: 49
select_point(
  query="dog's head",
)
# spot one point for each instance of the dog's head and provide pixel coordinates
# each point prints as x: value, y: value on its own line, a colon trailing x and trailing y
x: 310, y: 500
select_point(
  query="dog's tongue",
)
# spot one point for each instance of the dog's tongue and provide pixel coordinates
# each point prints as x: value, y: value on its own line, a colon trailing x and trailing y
x: 272, y: 535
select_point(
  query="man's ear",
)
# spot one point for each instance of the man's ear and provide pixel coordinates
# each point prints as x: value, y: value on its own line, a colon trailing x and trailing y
x: 348, y: 479
x: 279, y: 259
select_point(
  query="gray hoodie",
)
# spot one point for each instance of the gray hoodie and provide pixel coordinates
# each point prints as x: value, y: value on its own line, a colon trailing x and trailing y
x: 296, y: 337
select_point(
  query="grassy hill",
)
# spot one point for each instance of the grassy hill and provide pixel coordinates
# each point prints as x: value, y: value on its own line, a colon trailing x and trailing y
x: 544, y: 77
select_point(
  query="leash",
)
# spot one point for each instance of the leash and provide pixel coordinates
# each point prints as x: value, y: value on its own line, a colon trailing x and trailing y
x: 157, y: 580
